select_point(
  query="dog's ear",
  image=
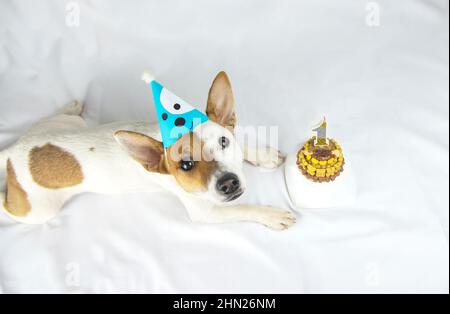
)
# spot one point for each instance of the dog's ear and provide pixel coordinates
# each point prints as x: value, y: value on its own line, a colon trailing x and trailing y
x: 144, y: 149
x: 220, y: 107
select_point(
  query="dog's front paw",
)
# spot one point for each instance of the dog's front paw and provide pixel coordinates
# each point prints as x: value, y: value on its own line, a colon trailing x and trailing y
x: 270, y: 158
x: 277, y: 219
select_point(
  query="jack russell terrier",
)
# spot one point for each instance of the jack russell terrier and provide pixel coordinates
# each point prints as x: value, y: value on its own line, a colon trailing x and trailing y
x: 61, y: 157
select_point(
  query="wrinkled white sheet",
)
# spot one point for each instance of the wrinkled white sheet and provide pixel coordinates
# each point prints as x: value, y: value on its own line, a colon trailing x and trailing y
x: 383, y: 89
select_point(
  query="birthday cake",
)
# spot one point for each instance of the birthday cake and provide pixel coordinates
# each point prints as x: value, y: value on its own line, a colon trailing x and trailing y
x: 321, y: 162
x: 315, y: 175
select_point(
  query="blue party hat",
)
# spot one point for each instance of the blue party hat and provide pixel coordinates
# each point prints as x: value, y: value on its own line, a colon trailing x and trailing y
x: 176, y: 117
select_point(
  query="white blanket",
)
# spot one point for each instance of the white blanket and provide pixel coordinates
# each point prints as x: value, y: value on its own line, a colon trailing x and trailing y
x: 377, y: 70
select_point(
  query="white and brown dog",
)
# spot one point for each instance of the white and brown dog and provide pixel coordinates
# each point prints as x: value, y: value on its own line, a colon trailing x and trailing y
x: 60, y: 157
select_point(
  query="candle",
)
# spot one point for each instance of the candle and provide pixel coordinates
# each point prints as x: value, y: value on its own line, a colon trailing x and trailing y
x: 321, y: 134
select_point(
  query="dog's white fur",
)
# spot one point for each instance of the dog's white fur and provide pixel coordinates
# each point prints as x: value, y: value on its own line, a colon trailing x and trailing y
x: 109, y: 169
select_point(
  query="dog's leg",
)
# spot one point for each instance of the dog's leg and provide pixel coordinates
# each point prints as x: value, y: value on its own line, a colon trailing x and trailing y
x: 265, y: 157
x: 203, y: 211
x: 67, y: 118
x: 271, y: 217
x: 74, y: 108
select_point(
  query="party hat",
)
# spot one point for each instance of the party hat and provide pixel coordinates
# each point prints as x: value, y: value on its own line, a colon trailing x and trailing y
x: 176, y: 117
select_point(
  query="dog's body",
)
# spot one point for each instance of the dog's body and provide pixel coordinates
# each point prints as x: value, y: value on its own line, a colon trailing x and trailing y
x: 61, y: 157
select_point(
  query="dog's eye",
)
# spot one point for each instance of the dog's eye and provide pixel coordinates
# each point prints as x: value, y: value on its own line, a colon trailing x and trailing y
x: 224, y: 142
x: 187, y: 165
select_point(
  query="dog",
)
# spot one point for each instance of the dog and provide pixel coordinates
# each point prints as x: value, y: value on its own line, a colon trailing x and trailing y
x: 61, y: 157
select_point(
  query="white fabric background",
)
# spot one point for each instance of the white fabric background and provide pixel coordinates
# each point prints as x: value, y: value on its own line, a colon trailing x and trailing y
x: 383, y: 89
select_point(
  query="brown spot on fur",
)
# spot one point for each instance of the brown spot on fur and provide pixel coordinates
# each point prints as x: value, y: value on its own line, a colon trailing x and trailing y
x: 16, y: 201
x: 92, y: 149
x: 54, y: 168
x: 197, y: 179
x: 150, y: 154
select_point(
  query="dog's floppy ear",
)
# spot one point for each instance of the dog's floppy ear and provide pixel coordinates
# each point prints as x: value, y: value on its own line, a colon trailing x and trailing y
x: 144, y: 149
x: 220, y: 107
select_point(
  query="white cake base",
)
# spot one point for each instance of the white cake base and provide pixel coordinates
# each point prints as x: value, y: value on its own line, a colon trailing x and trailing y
x: 305, y: 193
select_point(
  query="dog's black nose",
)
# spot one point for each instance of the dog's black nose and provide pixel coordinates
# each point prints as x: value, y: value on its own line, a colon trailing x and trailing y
x: 228, y: 184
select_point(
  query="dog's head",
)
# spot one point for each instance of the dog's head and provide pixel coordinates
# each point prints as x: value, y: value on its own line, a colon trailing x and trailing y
x: 207, y: 162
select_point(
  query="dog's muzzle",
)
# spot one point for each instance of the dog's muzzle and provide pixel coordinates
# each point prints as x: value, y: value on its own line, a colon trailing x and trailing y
x: 229, y: 186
